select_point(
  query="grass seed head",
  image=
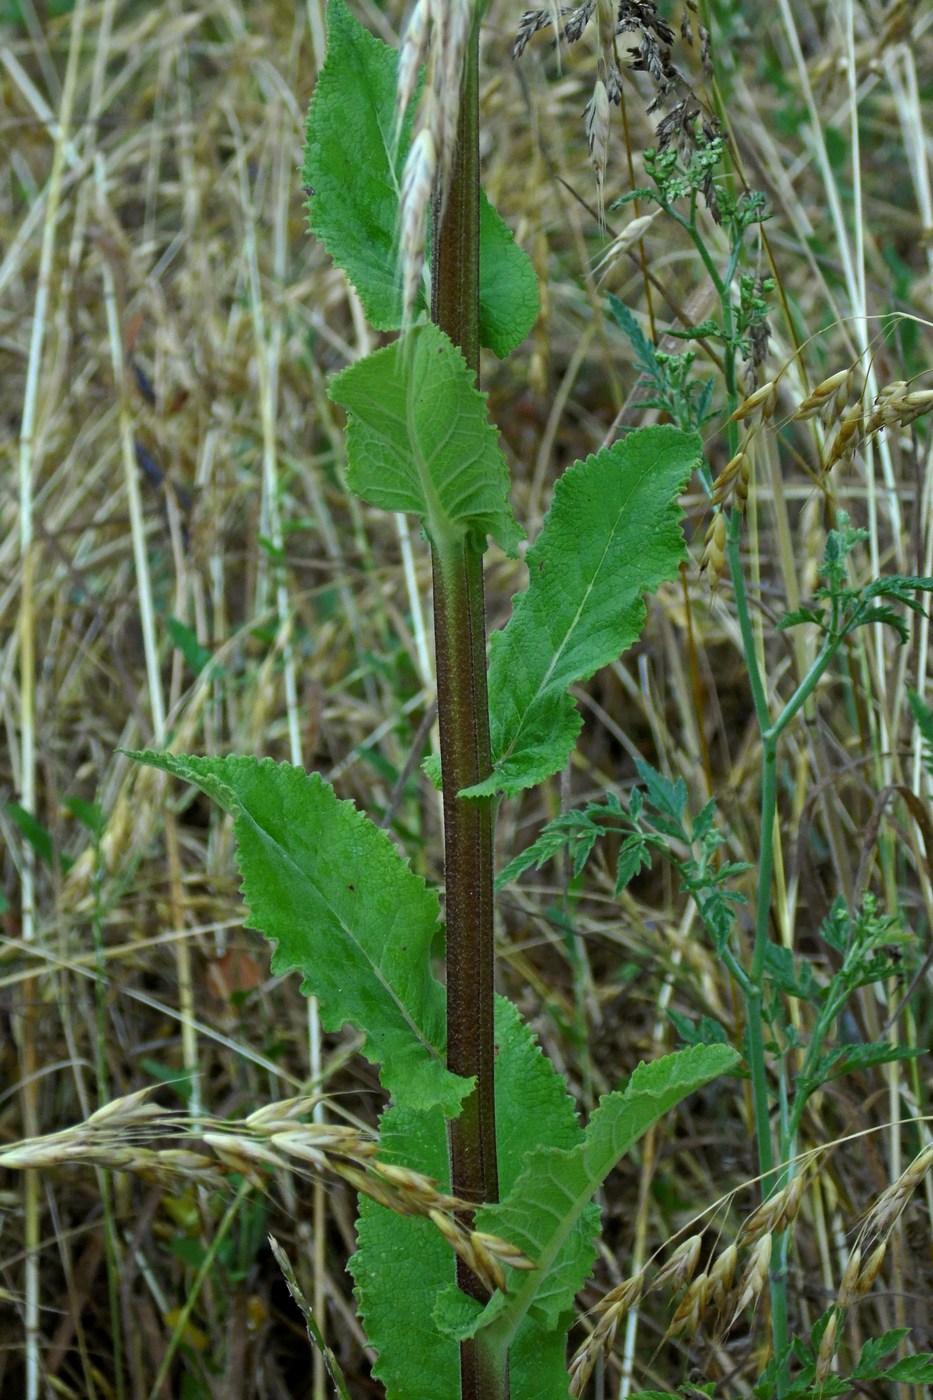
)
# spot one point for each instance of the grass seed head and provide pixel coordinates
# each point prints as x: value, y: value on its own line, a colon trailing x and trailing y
x: 827, y: 1351
x: 596, y: 124
x: 417, y: 189
x: 713, y: 560
x: 754, y: 1278
x: 411, y: 58
x: 871, y: 1270
x: 824, y: 393
x: 680, y: 1268
x: 762, y: 401
x: 690, y: 1309
x: 722, y: 1276
x: 892, y: 1202
x: 849, y: 1279
x: 131, y: 1108
x: 777, y: 1213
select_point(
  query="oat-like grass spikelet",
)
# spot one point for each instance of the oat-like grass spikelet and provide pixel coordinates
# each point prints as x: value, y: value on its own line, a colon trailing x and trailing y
x: 680, y: 1268
x: 891, y: 1204
x: 412, y: 54
x: 596, y: 124
x: 713, y: 559
x: 615, y: 1307
x: 274, y: 1138
x: 824, y: 1357
x: 722, y: 1277
x: 690, y: 1309
x: 754, y: 1278
x: 418, y: 179
x: 776, y: 1214
x: 438, y: 34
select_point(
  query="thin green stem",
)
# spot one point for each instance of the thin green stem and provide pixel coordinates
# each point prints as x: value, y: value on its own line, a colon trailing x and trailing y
x: 805, y: 689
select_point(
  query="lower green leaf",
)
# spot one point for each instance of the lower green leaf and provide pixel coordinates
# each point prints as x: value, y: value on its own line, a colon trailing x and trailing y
x: 549, y: 1203
x: 345, y: 910
x: 405, y: 1273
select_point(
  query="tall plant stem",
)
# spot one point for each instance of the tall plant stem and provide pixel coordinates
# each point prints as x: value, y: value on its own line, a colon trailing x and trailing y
x: 463, y: 717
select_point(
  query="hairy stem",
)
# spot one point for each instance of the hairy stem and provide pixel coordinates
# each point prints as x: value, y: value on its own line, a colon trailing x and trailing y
x: 463, y: 716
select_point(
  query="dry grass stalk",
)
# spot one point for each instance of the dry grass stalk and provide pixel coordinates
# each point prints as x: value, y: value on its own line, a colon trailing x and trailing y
x: 276, y: 1138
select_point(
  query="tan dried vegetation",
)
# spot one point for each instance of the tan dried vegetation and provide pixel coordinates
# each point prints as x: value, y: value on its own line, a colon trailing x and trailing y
x: 179, y: 561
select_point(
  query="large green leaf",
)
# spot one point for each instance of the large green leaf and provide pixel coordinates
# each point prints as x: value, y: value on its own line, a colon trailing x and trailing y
x: 541, y: 1213
x: 354, y: 172
x: 612, y: 533
x: 419, y: 439
x: 403, y: 1268
x: 344, y: 909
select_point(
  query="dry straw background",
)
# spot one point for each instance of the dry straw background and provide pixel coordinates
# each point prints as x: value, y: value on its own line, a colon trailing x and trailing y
x: 179, y: 564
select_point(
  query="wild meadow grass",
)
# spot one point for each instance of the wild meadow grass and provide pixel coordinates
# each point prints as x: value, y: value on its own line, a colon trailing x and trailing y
x: 181, y: 566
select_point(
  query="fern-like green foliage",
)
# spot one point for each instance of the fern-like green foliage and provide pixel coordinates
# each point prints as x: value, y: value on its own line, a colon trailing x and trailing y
x: 612, y: 534
x: 344, y: 909
x: 353, y: 168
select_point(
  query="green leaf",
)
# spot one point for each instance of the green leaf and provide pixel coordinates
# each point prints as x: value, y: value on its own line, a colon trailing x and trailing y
x: 875, y: 1350
x: 538, y: 1361
x: 706, y: 1031
x: 667, y: 798
x: 420, y: 440
x: 508, y: 287
x: 565, y: 830
x: 912, y: 1370
x: 698, y: 332
x: 38, y: 836
x: 844, y: 1059
x: 351, y: 166
x: 612, y: 533
x: 795, y: 980
x: 344, y: 909
x: 404, y: 1271
x: 547, y: 1213
x: 354, y: 171
x: 923, y: 717
x: 645, y: 352
x: 196, y: 656
x: 89, y: 814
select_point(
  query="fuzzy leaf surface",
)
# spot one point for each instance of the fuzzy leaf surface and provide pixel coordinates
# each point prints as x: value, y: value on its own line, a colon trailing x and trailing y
x: 403, y: 1269
x: 419, y: 439
x: 508, y: 287
x: 343, y: 908
x: 354, y: 169
x: 351, y: 165
x: 612, y: 533
x: 542, y: 1212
